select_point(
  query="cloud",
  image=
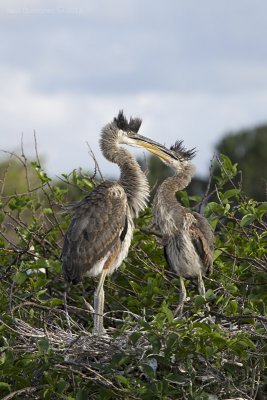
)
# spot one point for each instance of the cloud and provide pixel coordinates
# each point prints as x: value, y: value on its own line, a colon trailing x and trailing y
x: 133, y: 46
x: 64, y: 122
x: 192, y: 71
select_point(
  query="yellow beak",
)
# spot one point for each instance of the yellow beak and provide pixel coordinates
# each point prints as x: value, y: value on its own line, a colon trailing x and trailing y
x: 153, y: 149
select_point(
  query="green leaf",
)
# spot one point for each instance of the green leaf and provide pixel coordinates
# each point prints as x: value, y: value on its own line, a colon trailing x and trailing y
x: 183, y: 196
x: 210, y: 295
x: 41, y: 174
x: 137, y: 288
x: 82, y: 394
x: 261, y: 210
x: 177, y: 378
x: 47, y: 211
x: 154, y: 339
x: 172, y: 339
x: 20, y: 277
x: 230, y: 193
x: 199, y: 300
x: 195, y: 198
x: 122, y: 379
x: 247, y: 219
x: 213, y: 207
x: 165, y: 309
x: 134, y: 337
x: 87, y: 183
x: 51, y: 303
x: 43, y: 345
x: 234, y: 307
x: 148, y: 371
x: 62, y: 385
x: 5, y: 387
x: 217, y: 254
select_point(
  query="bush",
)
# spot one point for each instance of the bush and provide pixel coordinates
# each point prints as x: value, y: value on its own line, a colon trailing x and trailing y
x: 147, y: 353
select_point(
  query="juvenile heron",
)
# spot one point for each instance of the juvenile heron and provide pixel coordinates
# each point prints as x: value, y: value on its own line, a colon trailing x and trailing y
x: 186, y: 235
x: 100, y: 233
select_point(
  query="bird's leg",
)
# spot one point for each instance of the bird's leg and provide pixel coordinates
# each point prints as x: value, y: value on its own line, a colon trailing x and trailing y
x: 67, y: 286
x: 99, y: 298
x: 201, y: 286
x: 182, y: 298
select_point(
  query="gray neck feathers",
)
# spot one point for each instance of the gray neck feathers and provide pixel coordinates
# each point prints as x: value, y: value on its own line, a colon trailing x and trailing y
x: 134, y: 182
x: 167, y: 190
x: 132, y: 178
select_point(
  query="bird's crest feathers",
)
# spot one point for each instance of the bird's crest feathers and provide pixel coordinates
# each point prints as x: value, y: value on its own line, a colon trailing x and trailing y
x: 123, y: 124
x: 182, y: 152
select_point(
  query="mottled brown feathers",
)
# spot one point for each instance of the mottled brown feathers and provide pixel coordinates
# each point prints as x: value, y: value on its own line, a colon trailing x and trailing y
x: 187, y: 236
x: 95, y: 230
x: 203, y: 239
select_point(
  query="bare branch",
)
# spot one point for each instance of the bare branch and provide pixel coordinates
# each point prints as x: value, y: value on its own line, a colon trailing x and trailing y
x: 97, y: 168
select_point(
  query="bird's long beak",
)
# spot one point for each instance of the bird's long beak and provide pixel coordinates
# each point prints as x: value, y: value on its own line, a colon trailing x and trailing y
x: 154, y: 147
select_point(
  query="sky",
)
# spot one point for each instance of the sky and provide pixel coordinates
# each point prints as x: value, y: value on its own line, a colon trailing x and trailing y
x: 192, y: 70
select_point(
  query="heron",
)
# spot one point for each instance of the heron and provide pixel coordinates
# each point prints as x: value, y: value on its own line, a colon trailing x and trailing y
x: 99, y: 235
x: 187, y: 236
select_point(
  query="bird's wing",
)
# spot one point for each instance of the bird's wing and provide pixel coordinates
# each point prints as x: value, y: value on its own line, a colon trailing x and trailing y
x: 203, y: 239
x: 98, y: 226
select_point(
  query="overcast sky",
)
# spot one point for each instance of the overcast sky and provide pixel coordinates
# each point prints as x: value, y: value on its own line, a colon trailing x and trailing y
x: 192, y: 70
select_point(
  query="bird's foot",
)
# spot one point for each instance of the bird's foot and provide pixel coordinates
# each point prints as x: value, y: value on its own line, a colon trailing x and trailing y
x: 99, y: 331
x: 88, y: 306
x: 178, y: 312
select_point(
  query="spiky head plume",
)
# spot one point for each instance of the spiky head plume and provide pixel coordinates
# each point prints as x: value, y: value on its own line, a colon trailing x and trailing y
x: 182, y: 153
x: 122, y: 123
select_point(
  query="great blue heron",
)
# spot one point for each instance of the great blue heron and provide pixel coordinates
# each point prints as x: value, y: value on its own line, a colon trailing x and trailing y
x: 186, y: 235
x: 100, y: 233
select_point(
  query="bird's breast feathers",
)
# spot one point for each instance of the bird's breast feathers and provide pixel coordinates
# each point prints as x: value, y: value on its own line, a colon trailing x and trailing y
x: 116, y: 191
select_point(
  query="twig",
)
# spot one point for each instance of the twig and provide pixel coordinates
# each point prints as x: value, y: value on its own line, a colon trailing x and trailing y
x: 205, y: 197
x: 27, y: 390
x: 151, y: 232
x: 5, y: 175
x: 237, y: 317
x: 48, y: 184
x: 25, y: 163
x: 97, y: 168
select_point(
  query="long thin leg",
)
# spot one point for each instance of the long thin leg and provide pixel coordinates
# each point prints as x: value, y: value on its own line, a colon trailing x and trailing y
x: 67, y: 286
x: 182, y: 298
x: 99, y: 298
x: 201, y: 286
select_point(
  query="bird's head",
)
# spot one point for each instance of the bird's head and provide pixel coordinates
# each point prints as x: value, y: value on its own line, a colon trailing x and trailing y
x: 177, y: 157
x: 123, y: 131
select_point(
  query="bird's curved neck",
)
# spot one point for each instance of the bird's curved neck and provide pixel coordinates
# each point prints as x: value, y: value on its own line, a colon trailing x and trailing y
x: 173, y: 184
x: 134, y: 183
x: 132, y: 178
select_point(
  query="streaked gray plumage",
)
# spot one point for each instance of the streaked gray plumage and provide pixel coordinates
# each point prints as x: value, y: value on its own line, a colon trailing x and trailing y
x: 187, y: 236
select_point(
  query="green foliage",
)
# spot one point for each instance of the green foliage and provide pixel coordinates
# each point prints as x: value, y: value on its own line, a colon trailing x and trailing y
x: 150, y: 353
x: 248, y: 148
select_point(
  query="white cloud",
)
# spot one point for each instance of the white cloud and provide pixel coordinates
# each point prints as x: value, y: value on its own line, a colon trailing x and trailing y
x: 64, y: 122
x: 191, y: 71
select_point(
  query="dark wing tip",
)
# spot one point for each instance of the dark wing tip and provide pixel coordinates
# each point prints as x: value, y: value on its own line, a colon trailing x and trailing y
x: 122, y: 122
x: 181, y: 151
